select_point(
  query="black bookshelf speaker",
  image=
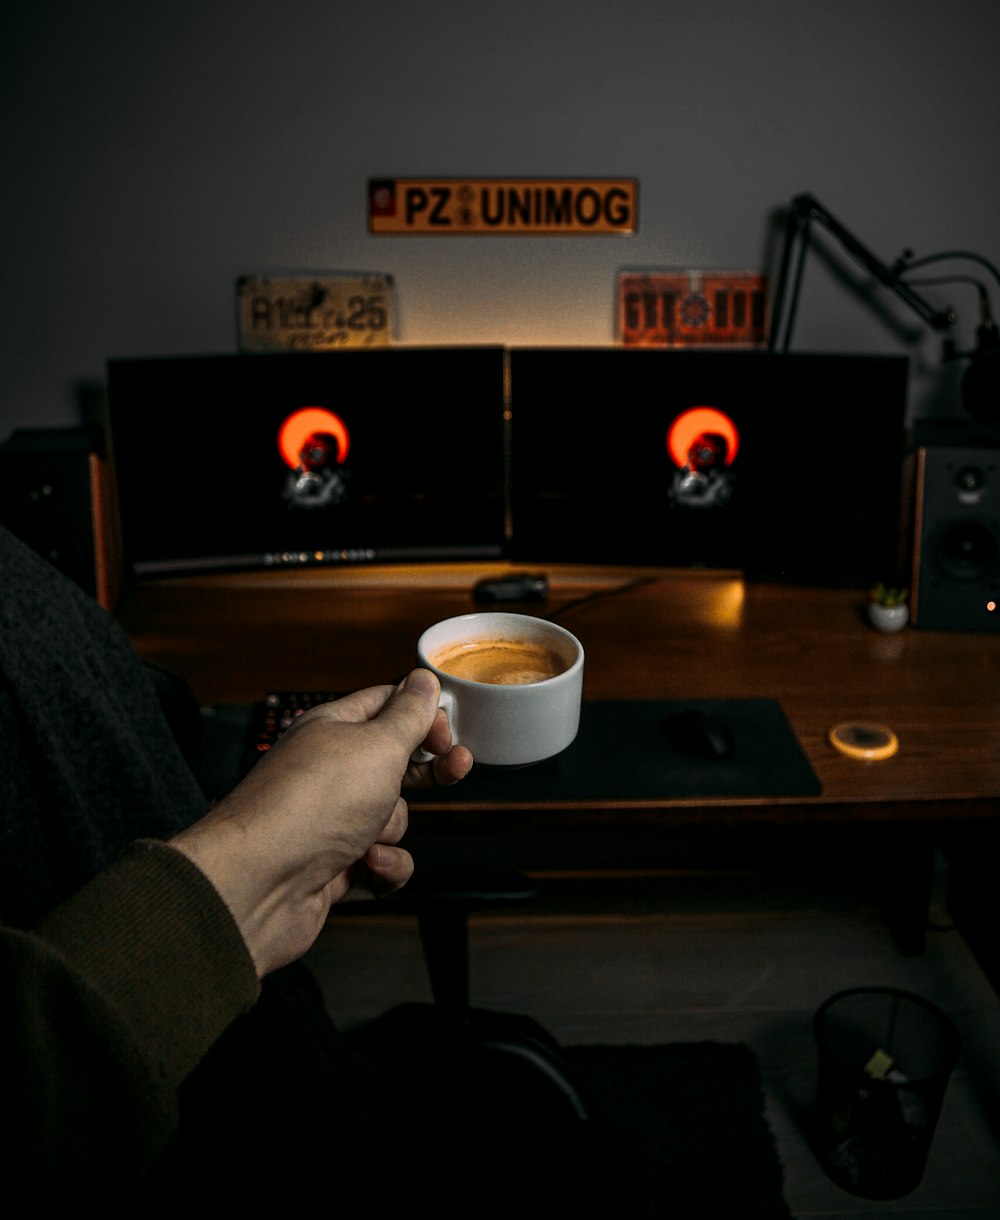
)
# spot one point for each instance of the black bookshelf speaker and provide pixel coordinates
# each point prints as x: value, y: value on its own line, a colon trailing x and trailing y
x: 956, y: 552
x: 55, y: 495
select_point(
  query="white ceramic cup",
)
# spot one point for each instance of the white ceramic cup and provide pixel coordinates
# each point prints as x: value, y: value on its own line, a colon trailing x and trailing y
x: 508, y: 725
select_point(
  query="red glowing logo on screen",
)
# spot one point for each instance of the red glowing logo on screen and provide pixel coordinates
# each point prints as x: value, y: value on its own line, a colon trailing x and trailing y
x: 695, y: 431
x: 304, y: 439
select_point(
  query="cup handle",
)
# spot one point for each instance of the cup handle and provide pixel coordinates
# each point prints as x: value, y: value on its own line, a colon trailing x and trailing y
x: 447, y: 701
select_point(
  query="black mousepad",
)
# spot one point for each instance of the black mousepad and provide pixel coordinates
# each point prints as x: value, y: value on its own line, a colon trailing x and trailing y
x: 623, y: 751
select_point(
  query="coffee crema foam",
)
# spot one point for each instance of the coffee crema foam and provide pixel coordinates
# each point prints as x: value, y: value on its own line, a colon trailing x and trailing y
x: 500, y: 662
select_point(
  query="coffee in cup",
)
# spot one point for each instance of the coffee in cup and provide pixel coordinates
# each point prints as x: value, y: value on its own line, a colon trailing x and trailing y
x: 503, y: 662
x: 511, y: 684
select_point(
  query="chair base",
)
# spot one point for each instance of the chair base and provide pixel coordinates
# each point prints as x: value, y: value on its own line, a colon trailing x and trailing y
x: 499, y: 1067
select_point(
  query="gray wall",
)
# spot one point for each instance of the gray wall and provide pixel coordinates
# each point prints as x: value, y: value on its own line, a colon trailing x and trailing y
x: 152, y: 154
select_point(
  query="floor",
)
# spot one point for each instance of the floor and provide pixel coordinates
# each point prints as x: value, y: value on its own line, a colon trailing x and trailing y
x: 735, y: 956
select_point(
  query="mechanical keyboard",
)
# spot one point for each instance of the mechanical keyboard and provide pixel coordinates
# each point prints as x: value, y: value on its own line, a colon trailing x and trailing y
x: 277, y: 711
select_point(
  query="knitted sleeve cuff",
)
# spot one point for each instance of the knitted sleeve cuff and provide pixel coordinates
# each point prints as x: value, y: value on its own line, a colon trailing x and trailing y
x: 153, y: 937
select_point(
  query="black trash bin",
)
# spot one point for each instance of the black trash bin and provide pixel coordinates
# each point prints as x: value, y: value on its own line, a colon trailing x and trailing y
x: 885, y: 1057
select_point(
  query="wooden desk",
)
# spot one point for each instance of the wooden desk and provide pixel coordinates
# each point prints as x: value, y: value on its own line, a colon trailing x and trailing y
x: 648, y: 634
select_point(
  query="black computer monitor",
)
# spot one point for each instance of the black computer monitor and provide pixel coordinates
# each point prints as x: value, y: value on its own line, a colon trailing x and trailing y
x: 784, y: 465
x: 291, y: 459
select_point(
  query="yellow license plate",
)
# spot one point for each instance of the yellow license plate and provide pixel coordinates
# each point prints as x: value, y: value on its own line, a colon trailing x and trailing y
x: 526, y: 206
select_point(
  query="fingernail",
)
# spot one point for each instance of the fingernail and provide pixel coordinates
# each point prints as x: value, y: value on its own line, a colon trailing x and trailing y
x: 420, y: 680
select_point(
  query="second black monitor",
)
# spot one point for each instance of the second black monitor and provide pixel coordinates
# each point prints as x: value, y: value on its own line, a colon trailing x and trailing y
x: 781, y: 465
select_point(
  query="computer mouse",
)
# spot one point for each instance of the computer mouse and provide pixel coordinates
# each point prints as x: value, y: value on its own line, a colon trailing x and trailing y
x: 699, y: 733
x: 528, y: 587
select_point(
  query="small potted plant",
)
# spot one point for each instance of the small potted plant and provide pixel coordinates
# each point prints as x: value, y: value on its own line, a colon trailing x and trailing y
x: 887, y: 607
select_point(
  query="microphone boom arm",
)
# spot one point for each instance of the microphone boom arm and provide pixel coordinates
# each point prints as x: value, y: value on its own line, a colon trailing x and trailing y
x: 804, y: 211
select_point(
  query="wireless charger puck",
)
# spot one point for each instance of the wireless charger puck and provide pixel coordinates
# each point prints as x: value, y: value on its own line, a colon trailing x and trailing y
x: 859, y: 739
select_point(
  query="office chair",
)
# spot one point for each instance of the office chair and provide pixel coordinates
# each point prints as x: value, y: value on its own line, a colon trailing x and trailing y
x: 455, y: 1058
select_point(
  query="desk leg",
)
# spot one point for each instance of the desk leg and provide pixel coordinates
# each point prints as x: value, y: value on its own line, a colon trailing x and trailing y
x: 971, y: 853
x: 909, y: 884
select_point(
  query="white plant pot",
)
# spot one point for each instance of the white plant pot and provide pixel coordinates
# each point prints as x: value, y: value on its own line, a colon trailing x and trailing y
x: 888, y: 618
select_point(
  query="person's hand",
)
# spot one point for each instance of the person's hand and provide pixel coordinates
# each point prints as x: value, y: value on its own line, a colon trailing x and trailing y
x: 319, y: 818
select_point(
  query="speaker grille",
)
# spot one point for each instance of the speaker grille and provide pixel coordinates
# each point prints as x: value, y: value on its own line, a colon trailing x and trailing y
x: 55, y: 496
x: 956, y: 579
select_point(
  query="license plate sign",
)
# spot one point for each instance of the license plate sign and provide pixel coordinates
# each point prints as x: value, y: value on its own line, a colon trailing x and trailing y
x: 692, y: 309
x: 316, y: 314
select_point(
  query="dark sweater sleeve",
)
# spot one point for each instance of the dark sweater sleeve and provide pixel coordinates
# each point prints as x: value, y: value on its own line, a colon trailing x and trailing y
x: 106, y: 1007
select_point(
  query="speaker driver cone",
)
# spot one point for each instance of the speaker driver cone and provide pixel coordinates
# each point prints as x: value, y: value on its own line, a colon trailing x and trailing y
x: 967, y: 550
